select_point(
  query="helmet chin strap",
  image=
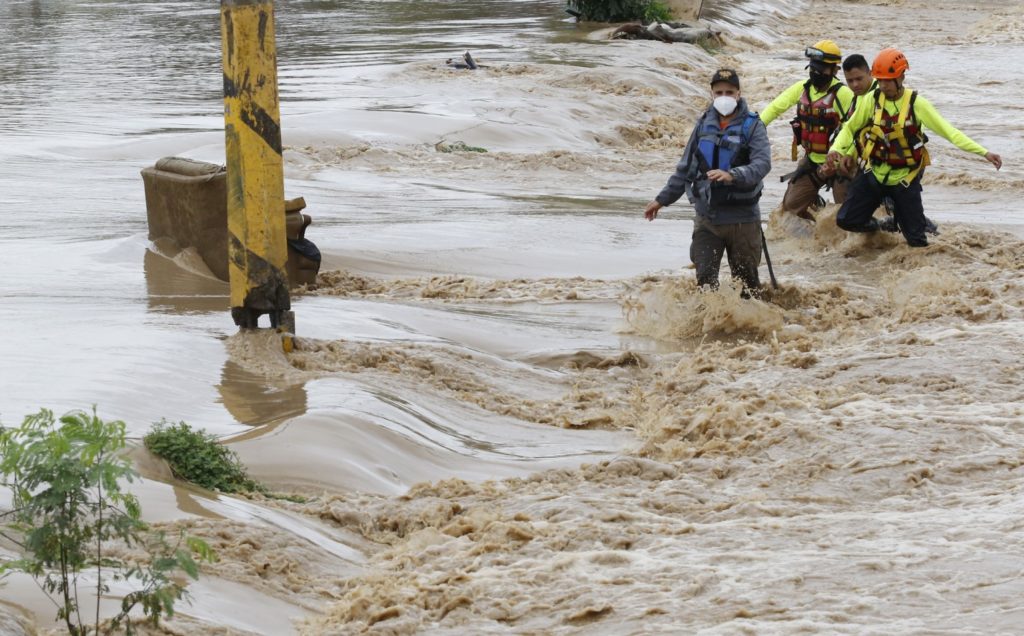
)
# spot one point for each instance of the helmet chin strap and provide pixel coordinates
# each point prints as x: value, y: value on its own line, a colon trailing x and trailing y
x: 899, y: 88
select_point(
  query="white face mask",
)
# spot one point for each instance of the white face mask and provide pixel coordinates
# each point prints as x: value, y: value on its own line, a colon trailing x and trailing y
x: 725, y: 105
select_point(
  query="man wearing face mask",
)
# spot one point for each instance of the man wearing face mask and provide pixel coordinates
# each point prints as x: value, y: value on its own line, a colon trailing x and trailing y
x: 889, y: 125
x: 822, y: 103
x: 722, y: 173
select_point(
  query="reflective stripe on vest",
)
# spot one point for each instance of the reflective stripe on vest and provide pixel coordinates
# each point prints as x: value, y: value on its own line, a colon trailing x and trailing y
x: 818, y: 119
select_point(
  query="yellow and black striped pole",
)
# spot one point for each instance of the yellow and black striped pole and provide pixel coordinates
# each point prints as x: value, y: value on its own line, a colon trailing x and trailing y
x: 257, y: 243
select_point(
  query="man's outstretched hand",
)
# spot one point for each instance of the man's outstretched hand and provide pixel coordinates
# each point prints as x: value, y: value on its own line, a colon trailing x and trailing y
x: 651, y: 211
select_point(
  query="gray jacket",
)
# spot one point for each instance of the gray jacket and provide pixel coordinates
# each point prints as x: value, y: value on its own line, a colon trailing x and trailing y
x: 722, y: 204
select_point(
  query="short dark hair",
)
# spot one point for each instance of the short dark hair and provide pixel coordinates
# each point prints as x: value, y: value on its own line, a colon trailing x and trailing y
x: 855, y: 61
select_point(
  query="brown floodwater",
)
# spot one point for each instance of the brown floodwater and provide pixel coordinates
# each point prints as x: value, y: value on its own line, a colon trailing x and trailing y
x: 509, y: 410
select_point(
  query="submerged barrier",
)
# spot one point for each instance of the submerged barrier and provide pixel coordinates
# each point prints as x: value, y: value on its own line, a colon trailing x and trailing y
x: 186, y: 200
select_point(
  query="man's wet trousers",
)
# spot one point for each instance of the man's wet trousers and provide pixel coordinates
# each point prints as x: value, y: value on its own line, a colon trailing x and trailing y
x: 866, y: 194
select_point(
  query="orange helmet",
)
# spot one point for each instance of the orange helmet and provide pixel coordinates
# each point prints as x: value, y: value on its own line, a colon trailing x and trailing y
x: 889, y: 64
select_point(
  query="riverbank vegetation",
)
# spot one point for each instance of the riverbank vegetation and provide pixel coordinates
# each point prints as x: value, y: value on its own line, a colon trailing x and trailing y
x: 198, y: 457
x: 79, y: 531
x: 620, y: 10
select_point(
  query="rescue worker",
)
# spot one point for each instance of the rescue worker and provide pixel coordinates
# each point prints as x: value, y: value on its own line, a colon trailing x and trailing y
x: 889, y: 124
x: 857, y: 73
x: 722, y: 173
x: 822, y: 103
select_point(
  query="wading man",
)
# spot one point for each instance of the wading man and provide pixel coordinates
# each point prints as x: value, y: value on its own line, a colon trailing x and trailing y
x: 888, y: 127
x: 722, y: 173
x: 857, y: 73
x: 822, y: 103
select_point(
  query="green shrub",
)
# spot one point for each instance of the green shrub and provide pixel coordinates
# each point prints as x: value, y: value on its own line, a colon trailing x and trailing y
x: 656, y: 11
x: 198, y: 457
x: 621, y: 10
x: 65, y: 477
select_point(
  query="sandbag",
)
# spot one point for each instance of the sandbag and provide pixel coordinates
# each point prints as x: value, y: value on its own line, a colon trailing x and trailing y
x: 188, y: 167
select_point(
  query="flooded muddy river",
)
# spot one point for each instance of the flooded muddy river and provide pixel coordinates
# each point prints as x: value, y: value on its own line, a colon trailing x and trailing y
x: 510, y: 410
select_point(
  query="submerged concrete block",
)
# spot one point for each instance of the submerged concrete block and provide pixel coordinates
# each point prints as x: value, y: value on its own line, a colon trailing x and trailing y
x: 186, y: 201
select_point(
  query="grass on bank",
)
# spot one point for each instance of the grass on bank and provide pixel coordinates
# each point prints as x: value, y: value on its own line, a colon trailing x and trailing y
x: 196, y: 456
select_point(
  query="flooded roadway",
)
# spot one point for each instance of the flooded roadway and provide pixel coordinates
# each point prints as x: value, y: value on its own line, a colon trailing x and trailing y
x: 874, y: 409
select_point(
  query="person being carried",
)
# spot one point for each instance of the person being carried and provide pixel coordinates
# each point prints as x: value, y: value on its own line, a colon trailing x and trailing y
x: 888, y: 128
x: 722, y: 173
x: 822, y: 103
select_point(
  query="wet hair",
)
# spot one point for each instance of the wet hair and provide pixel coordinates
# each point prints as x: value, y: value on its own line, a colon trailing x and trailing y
x: 856, y: 61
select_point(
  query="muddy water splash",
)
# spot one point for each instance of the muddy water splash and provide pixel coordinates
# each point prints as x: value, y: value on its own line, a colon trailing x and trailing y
x: 862, y: 424
x: 872, y: 438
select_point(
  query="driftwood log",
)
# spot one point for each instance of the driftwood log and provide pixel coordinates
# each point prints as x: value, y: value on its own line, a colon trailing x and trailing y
x: 665, y: 32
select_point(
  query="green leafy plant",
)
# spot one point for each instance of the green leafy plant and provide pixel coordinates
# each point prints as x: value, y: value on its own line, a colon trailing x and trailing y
x: 620, y: 10
x: 198, y: 457
x: 656, y: 11
x: 68, y: 509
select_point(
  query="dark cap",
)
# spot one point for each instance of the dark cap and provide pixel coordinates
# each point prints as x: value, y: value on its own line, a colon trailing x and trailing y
x: 726, y: 75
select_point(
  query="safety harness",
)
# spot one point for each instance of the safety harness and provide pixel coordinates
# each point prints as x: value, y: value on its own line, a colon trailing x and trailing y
x: 817, y: 121
x: 721, y: 149
x: 897, y: 140
x: 815, y: 126
x: 853, y: 109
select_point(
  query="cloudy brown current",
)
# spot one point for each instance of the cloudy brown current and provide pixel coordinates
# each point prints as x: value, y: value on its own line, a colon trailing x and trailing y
x: 842, y: 457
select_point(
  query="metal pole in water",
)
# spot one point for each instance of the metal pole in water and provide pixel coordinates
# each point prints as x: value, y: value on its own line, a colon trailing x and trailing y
x: 257, y: 240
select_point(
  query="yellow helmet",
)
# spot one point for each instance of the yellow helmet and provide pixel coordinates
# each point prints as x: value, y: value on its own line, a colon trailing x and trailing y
x: 825, y: 51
